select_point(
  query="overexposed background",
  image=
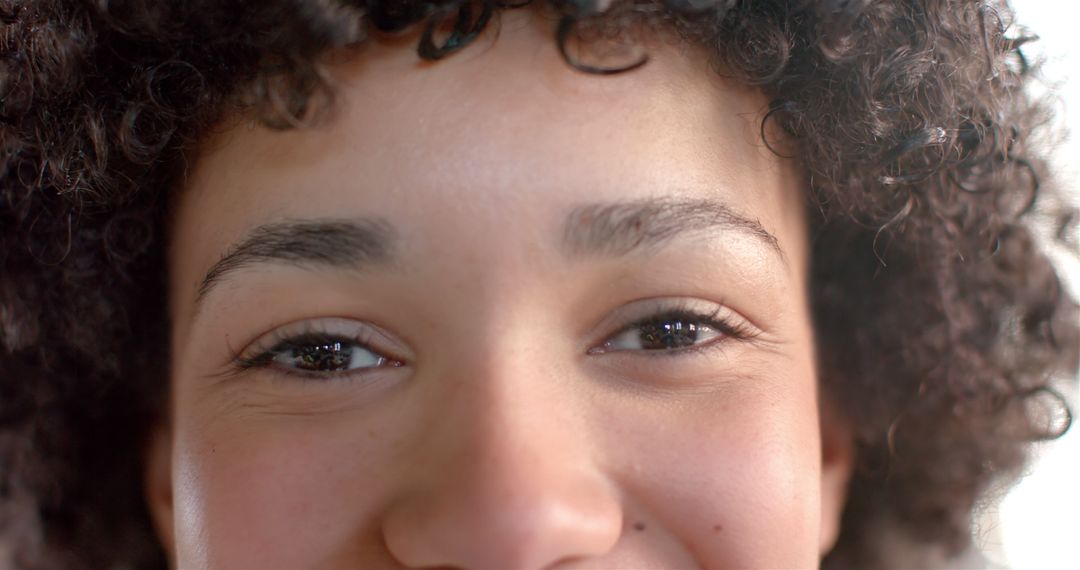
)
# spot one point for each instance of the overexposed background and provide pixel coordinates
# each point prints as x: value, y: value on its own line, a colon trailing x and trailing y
x: 1037, y: 524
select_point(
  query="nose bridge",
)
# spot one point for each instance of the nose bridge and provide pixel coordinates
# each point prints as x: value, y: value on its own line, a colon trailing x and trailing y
x: 504, y: 476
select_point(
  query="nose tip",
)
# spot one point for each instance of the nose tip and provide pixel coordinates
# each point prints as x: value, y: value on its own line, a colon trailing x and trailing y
x: 512, y: 487
x: 487, y: 526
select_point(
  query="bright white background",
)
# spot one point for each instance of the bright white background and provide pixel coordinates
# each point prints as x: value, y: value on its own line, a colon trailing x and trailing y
x: 1038, y: 522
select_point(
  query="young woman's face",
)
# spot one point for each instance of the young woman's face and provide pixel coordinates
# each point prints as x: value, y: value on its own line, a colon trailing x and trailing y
x: 496, y: 313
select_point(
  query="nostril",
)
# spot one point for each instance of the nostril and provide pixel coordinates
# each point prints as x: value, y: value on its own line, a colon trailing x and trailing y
x: 463, y: 528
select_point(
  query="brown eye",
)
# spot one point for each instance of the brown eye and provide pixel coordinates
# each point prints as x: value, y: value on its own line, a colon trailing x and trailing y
x: 326, y: 356
x: 665, y: 333
x: 323, y: 348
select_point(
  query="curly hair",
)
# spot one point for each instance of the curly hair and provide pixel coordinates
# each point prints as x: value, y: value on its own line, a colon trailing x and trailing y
x: 942, y: 326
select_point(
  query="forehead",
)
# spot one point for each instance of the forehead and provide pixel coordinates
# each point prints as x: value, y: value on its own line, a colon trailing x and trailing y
x: 502, y: 132
x: 511, y: 93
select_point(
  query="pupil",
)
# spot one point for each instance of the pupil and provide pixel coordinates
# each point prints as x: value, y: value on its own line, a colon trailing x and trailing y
x: 663, y: 335
x: 322, y: 357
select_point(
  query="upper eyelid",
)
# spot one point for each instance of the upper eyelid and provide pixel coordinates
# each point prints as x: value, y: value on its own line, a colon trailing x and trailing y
x: 673, y: 313
x: 260, y: 361
x: 374, y: 338
x: 302, y: 340
x: 644, y: 310
x: 696, y: 316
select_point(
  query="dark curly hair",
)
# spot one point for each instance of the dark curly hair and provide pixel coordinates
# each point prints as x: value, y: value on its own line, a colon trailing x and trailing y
x: 942, y: 326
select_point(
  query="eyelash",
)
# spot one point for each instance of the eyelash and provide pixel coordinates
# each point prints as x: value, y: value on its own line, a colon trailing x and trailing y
x: 278, y: 342
x: 729, y: 329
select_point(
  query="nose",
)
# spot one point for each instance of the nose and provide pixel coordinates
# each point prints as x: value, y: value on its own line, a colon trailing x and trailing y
x: 504, y: 478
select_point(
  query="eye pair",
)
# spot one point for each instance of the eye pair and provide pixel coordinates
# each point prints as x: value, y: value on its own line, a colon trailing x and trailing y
x: 333, y: 348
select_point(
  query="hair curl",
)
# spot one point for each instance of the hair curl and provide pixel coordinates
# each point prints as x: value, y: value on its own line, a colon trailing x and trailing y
x: 941, y: 325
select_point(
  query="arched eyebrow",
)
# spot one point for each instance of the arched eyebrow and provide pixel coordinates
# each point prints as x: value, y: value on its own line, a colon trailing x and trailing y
x: 617, y: 229
x: 602, y: 229
x: 304, y: 243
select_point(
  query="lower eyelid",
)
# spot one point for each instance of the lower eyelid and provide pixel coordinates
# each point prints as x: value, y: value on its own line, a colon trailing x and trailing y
x: 710, y: 344
x: 294, y: 374
x: 696, y: 349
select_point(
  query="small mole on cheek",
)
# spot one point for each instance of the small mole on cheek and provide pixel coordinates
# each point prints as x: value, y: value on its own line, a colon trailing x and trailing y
x: 639, y: 526
x: 718, y: 528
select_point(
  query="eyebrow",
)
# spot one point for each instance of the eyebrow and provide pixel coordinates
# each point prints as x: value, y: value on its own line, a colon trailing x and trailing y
x: 640, y: 226
x: 603, y: 229
x: 332, y: 243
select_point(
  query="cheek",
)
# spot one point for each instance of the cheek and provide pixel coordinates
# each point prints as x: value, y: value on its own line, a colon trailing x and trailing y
x: 278, y: 493
x: 737, y: 482
x: 726, y: 478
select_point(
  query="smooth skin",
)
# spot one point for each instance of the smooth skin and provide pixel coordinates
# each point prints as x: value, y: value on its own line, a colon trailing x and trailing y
x: 493, y: 241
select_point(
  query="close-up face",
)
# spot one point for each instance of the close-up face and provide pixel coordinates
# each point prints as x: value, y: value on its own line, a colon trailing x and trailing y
x: 480, y: 284
x: 495, y: 312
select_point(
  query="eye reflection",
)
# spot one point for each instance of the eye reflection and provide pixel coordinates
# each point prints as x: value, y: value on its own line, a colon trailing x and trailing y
x: 322, y: 348
x: 664, y: 333
x: 326, y: 356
